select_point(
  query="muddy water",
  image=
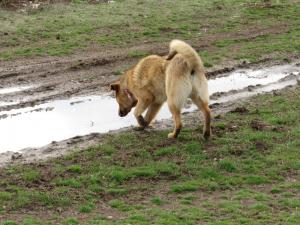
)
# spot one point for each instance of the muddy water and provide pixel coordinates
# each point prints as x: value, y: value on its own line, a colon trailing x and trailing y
x: 240, y: 79
x: 63, y: 119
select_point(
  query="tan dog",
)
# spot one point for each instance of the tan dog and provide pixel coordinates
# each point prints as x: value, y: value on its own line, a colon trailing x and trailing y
x: 156, y: 79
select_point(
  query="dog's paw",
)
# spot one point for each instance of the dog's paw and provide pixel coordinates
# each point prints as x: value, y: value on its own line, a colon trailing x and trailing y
x: 175, y: 133
x: 206, y: 135
x: 171, y: 135
x: 142, y: 122
x: 139, y: 128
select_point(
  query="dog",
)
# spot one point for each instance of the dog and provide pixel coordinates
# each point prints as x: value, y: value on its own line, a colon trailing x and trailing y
x: 172, y: 78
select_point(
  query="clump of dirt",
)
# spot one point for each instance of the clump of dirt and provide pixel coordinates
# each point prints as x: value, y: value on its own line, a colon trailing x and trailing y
x: 260, y: 145
x: 258, y: 125
x: 240, y: 110
x: 219, y: 71
x: 232, y: 128
x: 262, y: 4
x: 89, y: 63
x: 237, y: 151
x: 279, y: 129
x: 100, y: 1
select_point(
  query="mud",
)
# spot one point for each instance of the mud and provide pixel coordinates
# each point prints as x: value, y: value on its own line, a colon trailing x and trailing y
x: 55, y: 127
x: 31, y: 6
x: 58, y: 120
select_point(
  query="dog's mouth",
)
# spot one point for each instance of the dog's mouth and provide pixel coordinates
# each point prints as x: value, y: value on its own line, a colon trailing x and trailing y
x: 123, y: 112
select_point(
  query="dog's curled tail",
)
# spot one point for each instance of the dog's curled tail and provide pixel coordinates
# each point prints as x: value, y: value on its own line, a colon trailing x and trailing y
x: 188, y: 53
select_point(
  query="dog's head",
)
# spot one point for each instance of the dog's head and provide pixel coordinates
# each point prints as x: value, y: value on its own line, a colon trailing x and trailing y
x: 125, y: 98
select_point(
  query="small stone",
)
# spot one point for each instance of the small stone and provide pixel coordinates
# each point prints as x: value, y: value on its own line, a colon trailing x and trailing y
x: 16, y: 156
x: 214, y: 105
x: 250, y: 88
x: 218, y: 116
x: 275, y: 93
x: 59, y: 209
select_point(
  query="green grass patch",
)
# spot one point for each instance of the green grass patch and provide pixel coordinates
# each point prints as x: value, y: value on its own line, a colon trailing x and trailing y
x: 86, y: 208
x: 158, y: 201
x: 80, y: 25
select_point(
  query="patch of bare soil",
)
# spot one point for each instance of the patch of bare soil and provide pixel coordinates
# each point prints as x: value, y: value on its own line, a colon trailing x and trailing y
x: 101, y: 208
x: 28, y: 4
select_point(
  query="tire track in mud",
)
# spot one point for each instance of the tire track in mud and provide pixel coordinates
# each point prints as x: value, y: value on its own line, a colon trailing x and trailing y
x: 60, y: 80
x: 56, y: 80
x: 86, y: 73
x: 88, y: 77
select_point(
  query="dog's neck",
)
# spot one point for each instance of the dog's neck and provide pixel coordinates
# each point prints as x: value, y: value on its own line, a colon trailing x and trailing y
x: 126, y: 85
x: 126, y: 82
x: 128, y: 93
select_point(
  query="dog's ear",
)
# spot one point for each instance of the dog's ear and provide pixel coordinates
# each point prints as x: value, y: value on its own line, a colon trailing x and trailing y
x: 115, y: 86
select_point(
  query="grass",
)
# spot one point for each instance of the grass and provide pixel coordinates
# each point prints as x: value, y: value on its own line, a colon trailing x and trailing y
x: 241, y: 176
x: 229, y: 180
x: 228, y: 30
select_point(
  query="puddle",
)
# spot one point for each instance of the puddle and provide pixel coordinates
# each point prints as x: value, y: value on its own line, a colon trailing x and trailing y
x: 240, y: 79
x: 63, y: 119
x: 259, y: 90
x: 13, y: 89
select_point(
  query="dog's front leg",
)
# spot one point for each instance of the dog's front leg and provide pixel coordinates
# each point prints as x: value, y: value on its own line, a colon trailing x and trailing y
x: 139, y: 109
x: 152, y: 111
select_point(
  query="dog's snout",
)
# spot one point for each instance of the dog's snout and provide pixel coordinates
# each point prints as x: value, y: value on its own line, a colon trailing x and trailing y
x: 122, y: 113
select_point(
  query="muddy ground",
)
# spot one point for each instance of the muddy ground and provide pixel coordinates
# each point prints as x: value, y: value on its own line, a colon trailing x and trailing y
x: 82, y: 74
x: 89, y: 72
x: 36, y: 4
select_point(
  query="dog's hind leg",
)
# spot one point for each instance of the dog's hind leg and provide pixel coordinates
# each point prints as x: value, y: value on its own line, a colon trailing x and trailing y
x: 176, y: 97
x: 152, y: 111
x: 203, y: 106
x: 176, y: 113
